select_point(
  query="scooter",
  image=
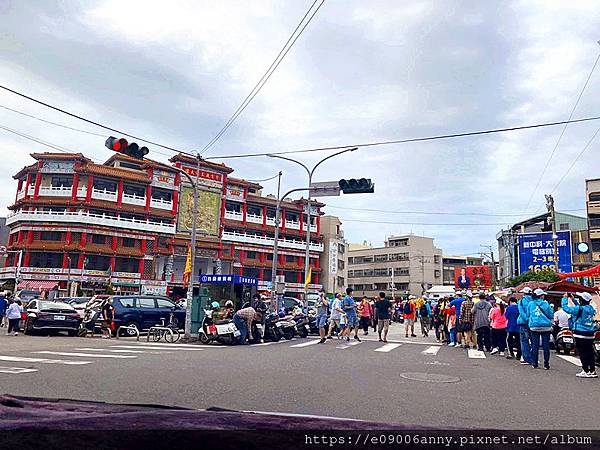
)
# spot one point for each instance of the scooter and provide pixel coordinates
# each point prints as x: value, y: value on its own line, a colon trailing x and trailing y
x: 565, y: 341
x: 287, y: 327
x: 221, y: 331
x: 302, y: 327
x: 269, y: 331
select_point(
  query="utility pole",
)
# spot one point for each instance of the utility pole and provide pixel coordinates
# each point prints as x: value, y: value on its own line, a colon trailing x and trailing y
x: 393, y: 286
x: 552, y: 221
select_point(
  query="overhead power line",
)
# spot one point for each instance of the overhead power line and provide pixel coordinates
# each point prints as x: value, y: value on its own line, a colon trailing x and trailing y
x: 106, y: 127
x: 404, y: 141
x: 264, y: 179
x: 543, y: 172
x: 34, y: 139
x: 263, y: 80
x: 426, y: 224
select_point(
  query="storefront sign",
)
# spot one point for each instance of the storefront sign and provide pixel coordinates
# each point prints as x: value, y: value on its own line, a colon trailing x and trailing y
x: 163, y: 178
x: 333, y: 251
x: 235, y: 194
x: 154, y: 290
x: 58, y: 167
x: 235, y: 279
x: 536, y: 251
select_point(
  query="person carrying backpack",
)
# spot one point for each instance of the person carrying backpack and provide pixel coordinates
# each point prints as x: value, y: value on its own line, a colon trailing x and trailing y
x: 409, y: 311
x: 425, y: 316
x: 540, y: 323
x: 582, y: 324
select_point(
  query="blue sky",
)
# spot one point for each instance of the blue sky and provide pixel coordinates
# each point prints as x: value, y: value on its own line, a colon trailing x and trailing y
x: 362, y: 71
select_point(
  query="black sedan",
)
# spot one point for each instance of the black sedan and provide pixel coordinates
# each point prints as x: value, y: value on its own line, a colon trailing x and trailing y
x: 51, y: 316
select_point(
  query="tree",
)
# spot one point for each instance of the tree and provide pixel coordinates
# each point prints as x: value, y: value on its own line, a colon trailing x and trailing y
x: 547, y: 275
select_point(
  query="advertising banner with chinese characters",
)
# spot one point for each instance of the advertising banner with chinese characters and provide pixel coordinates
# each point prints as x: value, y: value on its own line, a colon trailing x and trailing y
x: 473, y: 277
x: 209, y: 211
x: 536, y: 252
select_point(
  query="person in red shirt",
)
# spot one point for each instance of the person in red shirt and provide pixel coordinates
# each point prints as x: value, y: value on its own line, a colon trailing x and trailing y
x: 409, y: 310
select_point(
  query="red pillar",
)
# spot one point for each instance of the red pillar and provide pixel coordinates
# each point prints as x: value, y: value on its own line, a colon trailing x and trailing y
x: 19, y: 187
x: 318, y: 225
x: 299, y: 277
x: 26, y: 259
x: 261, y: 274
x: 27, y: 183
x: 148, y: 197
x: 141, y: 266
x: 75, y: 186
x: 83, y: 241
x: 316, y: 278
x: 120, y: 193
x: 29, y: 236
x: 244, y: 212
x: 113, y: 245
x: 80, y: 261
x: 176, y: 193
x: 282, y: 219
x: 143, y: 246
x: 68, y: 238
x: 38, y: 182
x: 20, y: 237
x: 241, y: 271
x: 113, y: 263
x: 90, y: 186
x: 301, y: 221
x: 65, y: 262
x: 223, y: 201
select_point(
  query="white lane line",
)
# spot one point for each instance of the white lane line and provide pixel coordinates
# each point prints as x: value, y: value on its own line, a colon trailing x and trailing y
x: 432, y: 350
x: 43, y: 360
x: 387, y: 348
x: 91, y: 349
x: 476, y: 354
x: 181, y: 346
x: 347, y: 345
x: 16, y: 370
x: 149, y: 347
x: 571, y: 359
x: 85, y: 355
x: 305, y: 344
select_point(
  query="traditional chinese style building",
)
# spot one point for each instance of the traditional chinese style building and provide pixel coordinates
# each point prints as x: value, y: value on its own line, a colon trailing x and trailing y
x: 128, y: 222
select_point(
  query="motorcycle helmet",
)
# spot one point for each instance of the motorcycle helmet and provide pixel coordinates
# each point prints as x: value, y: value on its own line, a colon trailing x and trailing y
x: 228, y: 304
x: 215, y: 305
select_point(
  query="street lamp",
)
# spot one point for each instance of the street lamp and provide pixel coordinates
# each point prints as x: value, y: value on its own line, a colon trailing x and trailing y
x: 310, y: 173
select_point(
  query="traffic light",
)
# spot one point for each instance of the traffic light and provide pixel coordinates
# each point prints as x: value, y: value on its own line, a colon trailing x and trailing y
x: 357, y: 186
x: 122, y: 146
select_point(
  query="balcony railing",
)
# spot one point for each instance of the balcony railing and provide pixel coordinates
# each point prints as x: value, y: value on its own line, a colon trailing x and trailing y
x: 254, y: 218
x: 21, y: 194
x: 103, y: 194
x: 133, y: 199
x: 89, y: 218
x: 234, y: 215
x: 58, y: 191
x: 81, y: 191
x: 260, y: 240
x: 160, y: 203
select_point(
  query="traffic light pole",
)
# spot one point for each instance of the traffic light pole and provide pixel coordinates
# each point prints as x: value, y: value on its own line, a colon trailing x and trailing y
x: 310, y: 173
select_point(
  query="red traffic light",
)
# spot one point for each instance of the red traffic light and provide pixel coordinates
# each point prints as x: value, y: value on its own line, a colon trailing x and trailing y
x: 118, y: 145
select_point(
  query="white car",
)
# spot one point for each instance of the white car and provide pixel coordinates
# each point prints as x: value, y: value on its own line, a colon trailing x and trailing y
x: 78, y: 303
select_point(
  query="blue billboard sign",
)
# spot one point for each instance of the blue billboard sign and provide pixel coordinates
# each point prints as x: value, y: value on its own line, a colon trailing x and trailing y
x: 536, y: 252
x: 227, y: 279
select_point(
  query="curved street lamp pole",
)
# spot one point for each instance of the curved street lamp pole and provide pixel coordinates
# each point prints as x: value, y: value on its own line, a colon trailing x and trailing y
x: 310, y: 173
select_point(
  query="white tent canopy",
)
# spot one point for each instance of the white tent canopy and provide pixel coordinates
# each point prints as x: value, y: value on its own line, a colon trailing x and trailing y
x: 440, y: 291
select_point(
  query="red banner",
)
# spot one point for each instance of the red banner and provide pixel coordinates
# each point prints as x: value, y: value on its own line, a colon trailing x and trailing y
x: 593, y: 272
x: 473, y: 277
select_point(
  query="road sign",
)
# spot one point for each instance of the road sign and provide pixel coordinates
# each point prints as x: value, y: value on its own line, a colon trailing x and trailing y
x: 325, y: 189
x: 536, y: 252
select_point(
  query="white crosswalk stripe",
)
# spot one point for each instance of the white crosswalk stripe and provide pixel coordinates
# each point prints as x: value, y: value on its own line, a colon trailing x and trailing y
x: 433, y: 350
x: 305, y: 344
x: 348, y: 345
x: 476, y: 354
x: 85, y: 355
x: 16, y: 370
x: 43, y: 360
x: 153, y: 347
x: 571, y: 359
x: 180, y: 346
x: 387, y: 348
x: 148, y: 352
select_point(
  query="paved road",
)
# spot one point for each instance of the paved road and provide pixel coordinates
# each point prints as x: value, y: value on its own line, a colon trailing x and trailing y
x: 367, y: 380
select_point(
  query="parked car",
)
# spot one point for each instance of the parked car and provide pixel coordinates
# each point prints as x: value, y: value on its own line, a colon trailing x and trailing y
x: 51, y: 316
x: 78, y: 303
x: 288, y: 303
x: 145, y: 311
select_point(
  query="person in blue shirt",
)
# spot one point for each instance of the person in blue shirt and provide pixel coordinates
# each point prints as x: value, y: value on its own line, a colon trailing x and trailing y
x: 523, y: 322
x: 540, y: 315
x: 513, y: 339
x: 349, y: 307
x: 457, y: 303
x: 582, y: 325
x: 3, y: 306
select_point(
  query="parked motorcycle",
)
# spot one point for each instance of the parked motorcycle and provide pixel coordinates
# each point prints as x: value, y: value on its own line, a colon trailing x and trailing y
x: 222, y: 331
x: 565, y: 341
x: 287, y: 327
x: 269, y: 331
x: 302, y: 327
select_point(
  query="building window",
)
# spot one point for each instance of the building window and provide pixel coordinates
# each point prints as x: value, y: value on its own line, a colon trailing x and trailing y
x: 399, y: 243
x: 45, y: 259
x: 62, y: 181
x: 129, y: 265
x: 269, y: 256
x: 381, y: 286
x: 291, y: 258
x: 436, y: 259
x: 50, y: 236
x: 595, y: 197
x: 138, y: 191
x: 340, y: 282
x: 160, y: 194
x: 99, y: 239
x: 341, y: 248
x: 381, y: 258
x: 401, y: 272
x: 107, y: 185
x: 128, y: 242
x: 437, y: 273
x: 341, y: 264
x: 97, y: 262
x: 563, y: 226
x: 596, y: 245
x: 250, y: 255
x: 380, y: 272
x: 233, y: 207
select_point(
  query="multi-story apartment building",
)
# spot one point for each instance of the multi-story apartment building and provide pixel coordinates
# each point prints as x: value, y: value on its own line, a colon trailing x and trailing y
x: 450, y: 263
x: 413, y: 262
x: 592, y: 193
x: 128, y: 222
x: 335, y: 255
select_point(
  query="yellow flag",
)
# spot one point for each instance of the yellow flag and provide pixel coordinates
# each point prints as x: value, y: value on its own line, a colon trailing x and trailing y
x: 308, y: 278
x: 188, y: 268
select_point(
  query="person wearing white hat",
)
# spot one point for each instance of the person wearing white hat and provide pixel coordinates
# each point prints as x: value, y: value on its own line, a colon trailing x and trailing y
x: 582, y: 325
x: 540, y: 316
x: 523, y: 322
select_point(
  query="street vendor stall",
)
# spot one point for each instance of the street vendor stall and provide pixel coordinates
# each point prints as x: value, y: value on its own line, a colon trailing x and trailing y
x: 237, y: 288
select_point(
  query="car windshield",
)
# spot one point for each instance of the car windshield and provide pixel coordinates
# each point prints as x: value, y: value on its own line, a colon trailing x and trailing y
x: 47, y: 305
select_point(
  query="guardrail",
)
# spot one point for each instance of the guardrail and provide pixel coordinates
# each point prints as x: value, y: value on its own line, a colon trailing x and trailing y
x: 130, y: 328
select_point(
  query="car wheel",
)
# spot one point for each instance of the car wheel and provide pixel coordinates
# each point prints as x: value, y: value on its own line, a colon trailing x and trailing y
x: 27, y: 327
x: 72, y: 333
x: 129, y: 332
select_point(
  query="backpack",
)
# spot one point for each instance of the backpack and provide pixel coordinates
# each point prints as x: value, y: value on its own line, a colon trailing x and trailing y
x: 407, y: 308
x: 424, y: 312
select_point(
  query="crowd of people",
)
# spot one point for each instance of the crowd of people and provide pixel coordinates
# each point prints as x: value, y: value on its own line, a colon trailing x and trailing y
x: 11, y: 311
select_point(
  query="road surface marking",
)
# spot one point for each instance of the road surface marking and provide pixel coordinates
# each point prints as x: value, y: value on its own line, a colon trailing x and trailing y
x: 476, y: 354
x: 347, y: 345
x: 387, y: 348
x: 571, y: 359
x: 166, y: 344
x: 150, y: 347
x: 43, y: 360
x: 91, y: 349
x: 85, y: 355
x: 16, y: 370
x: 305, y: 344
x: 433, y: 350
x: 437, y: 363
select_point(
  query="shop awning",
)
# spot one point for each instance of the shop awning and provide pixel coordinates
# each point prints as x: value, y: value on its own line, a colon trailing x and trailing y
x: 37, y: 285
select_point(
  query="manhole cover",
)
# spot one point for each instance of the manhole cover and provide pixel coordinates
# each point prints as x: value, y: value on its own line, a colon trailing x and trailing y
x: 429, y: 377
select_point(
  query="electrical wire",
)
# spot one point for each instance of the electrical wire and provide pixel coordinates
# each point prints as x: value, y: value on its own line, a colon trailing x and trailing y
x: 263, y: 80
x: 39, y: 141
x: 265, y: 179
x: 543, y: 172
x: 424, y: 224
x: 93, y: 122
x: 404, y: 141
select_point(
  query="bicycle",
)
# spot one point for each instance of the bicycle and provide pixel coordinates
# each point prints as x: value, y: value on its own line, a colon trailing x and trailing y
x: 169, y: 332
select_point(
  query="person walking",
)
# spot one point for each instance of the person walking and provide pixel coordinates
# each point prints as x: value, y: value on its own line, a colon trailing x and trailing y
x: 425, y: 317
x: 499, y: 323
x: 481, y: 311
x: 3, y: 306
x: 243, y: 321
x: 373, y: 302
x: 108, y: 315
x: 512, y: 328
x: 13, y: 313
x: 540, y: 326
x: 365, y: 311
x: 335, y: 315
x: 409, y: 311
x: 582, y: 323
x: 467, y: 318
x: 456, y: 304
x: 523, y: 321
x: 452, y: 327
x: 384, y: 311
x: 349, y: 307
x: 438, y: 317
x: 322, y: 306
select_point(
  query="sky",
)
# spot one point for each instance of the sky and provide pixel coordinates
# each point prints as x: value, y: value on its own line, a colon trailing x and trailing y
x: 174, y: 72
